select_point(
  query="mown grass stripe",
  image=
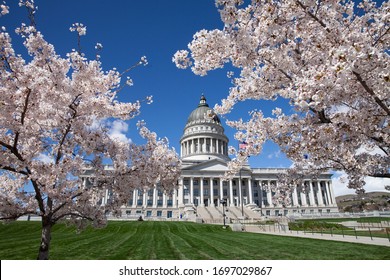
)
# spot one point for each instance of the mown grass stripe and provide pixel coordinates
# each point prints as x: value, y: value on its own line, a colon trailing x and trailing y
x: 173, y: 240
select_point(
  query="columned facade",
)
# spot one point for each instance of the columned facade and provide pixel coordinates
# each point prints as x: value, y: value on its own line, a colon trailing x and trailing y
x: 249, y: 194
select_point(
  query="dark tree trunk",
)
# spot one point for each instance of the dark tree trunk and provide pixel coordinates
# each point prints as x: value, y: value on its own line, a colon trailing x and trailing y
x: 45, y: 239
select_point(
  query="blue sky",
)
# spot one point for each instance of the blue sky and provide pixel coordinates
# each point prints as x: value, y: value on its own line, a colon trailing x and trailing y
x: 157, y: 29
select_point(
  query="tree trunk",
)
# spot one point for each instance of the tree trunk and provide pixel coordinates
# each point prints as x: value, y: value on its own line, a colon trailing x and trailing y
x: 45, y: 239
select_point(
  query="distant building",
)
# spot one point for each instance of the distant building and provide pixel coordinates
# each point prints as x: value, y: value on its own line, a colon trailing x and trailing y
x: 204, y: 154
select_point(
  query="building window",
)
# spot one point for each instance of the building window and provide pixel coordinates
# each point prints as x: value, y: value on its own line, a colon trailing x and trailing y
x: 130, y: 202
x: 205, y: 182
x: 268, y: 212
x: 196, y: 182
x: 196, y: 192
x: 159, y: 202
x: 225, y: 192
x: 169, y: 214
x: 128, y: 212
x: 150, y: 193
x: 148, y: 213
x: 215, y: 192
x: 186, y: 191
x: 159, y: 213
x: 225, y: 183
x: 186, y: 182
x: 169, y: 202
x: 160, y: 193
x: 205, y: 191
x: 150, y: 202
x: 255, y: 193
x: 139, y: 202
x: 235, y: 192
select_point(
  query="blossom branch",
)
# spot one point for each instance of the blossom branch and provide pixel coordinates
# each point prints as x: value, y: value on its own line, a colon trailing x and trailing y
x: 371, y: 92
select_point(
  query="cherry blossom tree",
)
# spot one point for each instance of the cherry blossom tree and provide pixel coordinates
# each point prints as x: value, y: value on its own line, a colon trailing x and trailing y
x: 54, y: 125
x: 330, y: 59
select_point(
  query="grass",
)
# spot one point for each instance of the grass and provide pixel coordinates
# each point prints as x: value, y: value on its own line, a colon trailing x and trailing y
x: 359, y: 220
x: 331, y: 226
x: 173, y: 241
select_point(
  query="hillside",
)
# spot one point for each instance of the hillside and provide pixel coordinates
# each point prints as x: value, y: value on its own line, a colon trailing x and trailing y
x: 368, y: 202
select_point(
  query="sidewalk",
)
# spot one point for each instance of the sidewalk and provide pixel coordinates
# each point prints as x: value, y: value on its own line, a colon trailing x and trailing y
x: 347, y: 238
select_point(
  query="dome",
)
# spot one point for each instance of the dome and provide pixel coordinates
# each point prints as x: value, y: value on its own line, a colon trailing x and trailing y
x: 201, y: 113
x: 203, y: 136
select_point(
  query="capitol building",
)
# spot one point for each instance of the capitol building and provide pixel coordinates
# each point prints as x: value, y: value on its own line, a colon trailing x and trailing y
x: 202, y: 195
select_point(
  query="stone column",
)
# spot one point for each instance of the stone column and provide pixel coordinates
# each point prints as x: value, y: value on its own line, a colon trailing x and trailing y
x: 191, y: 190
x: 303, y: 197
x: 174, y: 198
x: 260, y: 183
x: 211, y: 192
x: 269, y: 195
x: 250, y: 191
x: 231, y: 192
x: 295, y: 197
x: 311, y: 194
x: 144, y: 199
x: 239, y: 191
x: 211, y: 146
x: 319, y: 194
x: 155, y: 197
x: 333, y: 198
x: 220, y: 190
x: 135, y: 196
x: 164, y: 200
x: 201, y: 193
x: 180, y: 193
x: 325, y: 194
x: 330, y: 202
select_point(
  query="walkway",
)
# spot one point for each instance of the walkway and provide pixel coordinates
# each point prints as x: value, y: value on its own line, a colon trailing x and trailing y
x: 346, y: 238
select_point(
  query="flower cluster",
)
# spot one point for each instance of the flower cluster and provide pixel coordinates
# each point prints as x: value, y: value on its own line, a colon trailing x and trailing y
x: 4, y: 9
x: 79, y: 28
x: 54, y: 127
x: 329, y: 58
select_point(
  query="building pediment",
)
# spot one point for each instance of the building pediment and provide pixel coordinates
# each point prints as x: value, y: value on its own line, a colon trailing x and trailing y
x: 213, y: 165
x: 210, y: 165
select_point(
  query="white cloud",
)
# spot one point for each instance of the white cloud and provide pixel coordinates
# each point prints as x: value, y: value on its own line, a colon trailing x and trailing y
x: 117, y: 128
x: 44, y: 158
x: 275, y: 154
x: 372, y: 184
x: 118, y: 131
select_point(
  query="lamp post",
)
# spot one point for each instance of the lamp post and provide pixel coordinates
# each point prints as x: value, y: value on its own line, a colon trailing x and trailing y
x: 224, y: 203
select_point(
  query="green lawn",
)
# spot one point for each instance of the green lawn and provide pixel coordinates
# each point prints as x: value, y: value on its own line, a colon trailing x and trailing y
x: 331, y: 226
x: 173, y: 240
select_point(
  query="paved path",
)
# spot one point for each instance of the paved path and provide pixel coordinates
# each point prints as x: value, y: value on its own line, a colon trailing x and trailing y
x: 347, y: 238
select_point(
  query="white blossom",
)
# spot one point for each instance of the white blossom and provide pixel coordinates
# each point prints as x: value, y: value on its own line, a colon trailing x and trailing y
x: 328, y: 58
x: 4, y: 9
x: 79, y: 28
x: 59, y: 117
